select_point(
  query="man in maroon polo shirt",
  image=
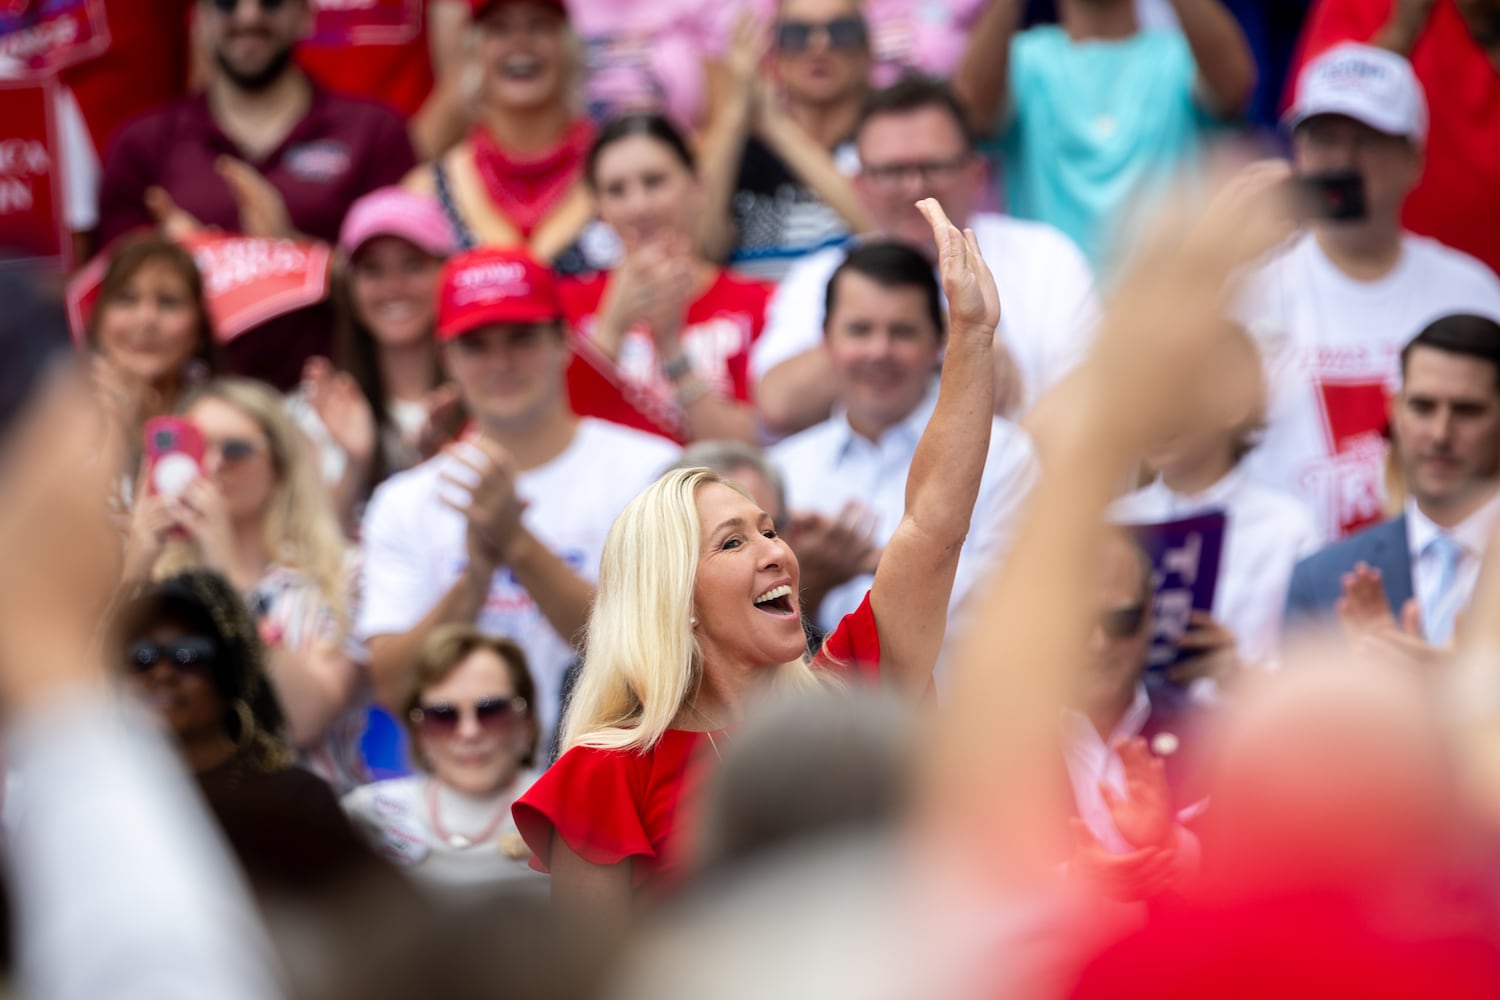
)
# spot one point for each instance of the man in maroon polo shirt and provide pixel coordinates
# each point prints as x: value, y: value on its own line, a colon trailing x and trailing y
x: 263, y: 151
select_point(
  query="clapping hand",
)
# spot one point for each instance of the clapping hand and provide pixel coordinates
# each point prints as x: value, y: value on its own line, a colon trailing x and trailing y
x: 342, y: 407
x: 973, y: 300
x: 1144, y: 814
x: 484, y: 492
x: 262, y: 209
x: 833, y: 550
x: 1364, y: 608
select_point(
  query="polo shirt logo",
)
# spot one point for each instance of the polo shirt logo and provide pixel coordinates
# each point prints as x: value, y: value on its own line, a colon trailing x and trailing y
x: 318, y: 162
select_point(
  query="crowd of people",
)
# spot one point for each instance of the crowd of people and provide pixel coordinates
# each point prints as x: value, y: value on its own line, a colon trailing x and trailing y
x: 785, y: 498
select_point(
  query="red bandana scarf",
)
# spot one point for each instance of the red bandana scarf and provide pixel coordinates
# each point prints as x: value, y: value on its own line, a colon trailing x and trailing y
x: 525, y: 190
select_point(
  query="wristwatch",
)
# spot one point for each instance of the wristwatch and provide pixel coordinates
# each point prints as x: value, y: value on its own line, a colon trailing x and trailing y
x: 675, y: 368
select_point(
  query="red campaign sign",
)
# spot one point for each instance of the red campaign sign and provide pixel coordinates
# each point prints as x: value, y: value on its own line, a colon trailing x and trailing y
x: 31, y: 209
x: 341, y: 23
x: 1355, y: 415
x: 44, y: 36
x: 247, y: 280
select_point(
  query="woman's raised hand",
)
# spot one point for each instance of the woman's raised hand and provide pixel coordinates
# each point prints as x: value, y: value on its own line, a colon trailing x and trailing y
x: 973, y: 300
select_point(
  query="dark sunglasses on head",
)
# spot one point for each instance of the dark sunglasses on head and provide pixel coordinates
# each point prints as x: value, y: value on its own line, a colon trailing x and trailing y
x: 844, y: 33
x: 193, y: 654
x: 1122, y: 623
x: 228, y: 6
x: 492, y: 714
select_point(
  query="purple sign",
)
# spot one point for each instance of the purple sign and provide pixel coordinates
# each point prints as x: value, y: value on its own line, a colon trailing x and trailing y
x: 1184, y: 557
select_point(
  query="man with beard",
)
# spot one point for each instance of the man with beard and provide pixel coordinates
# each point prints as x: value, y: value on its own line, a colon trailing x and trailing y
x: 263, y: 150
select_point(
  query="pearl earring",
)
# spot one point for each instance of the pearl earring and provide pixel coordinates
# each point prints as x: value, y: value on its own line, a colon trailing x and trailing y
x: 692, y: 621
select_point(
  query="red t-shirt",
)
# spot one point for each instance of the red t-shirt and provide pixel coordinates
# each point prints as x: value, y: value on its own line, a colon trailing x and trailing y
x: 720, y: 327
x: 1457, y: 200
x: 376, y: 49
x: 614, y: 805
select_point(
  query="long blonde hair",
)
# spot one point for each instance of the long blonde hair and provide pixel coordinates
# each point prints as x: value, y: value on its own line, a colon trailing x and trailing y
x: 644, y: 663
x: 301, y: 530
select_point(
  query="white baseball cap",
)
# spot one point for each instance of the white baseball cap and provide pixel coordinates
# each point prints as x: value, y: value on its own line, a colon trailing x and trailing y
x: 1370, y: 85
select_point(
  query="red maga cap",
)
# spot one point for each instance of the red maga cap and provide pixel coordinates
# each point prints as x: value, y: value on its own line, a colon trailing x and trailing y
x: 490, y: 285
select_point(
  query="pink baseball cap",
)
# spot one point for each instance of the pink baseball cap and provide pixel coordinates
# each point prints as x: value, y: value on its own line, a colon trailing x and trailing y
x: 395, y: 212
x: 491, y: 285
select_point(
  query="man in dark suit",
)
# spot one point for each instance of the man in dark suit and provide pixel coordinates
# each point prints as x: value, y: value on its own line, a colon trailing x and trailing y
x: 1445, y: 426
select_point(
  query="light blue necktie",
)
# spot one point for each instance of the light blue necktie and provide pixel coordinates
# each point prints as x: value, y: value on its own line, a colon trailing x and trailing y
x: 1442, y: 604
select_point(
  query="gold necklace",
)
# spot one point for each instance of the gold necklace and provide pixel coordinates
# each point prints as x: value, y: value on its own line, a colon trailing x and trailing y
x: 708, y: 732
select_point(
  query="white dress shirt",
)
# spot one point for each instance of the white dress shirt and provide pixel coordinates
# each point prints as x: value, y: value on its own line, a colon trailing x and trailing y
x: 829, y: 465
x: 1044, y: 281
x: 1092, y: 761
x: 1471, y: 534
x: 1266, y: 532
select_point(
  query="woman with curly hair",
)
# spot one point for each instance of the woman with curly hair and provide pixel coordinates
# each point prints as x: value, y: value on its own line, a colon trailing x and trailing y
x: 189, y: 650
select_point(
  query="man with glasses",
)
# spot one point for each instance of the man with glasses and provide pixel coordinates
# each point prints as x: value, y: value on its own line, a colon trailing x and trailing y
x: 262, y: 151
x: 913, y: 143
x: 1333, y: 310
x: 1128, y: 746
x: 777, y: 154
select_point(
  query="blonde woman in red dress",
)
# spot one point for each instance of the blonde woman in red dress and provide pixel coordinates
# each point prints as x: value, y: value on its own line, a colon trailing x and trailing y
x: 697, y: 615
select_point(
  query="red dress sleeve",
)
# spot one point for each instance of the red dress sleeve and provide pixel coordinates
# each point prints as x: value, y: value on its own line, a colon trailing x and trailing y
x: 589, y: 798
x: 853, y: 649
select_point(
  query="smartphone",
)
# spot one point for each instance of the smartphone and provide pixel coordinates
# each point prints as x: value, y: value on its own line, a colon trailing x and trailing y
x: 1337, y: 195
x: 174, y: 455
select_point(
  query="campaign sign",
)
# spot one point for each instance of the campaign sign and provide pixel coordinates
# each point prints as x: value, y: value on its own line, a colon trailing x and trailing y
x: 341, y: 23
x: 1185, y: 556
x: 44, y: 36
x: 247, y: 280
x: 31, y: 210
x: 250, y: 279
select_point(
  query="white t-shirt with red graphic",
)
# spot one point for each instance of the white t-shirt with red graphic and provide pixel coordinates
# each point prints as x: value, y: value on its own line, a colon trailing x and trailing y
x: 1332, y: 351
x: 717, y: 333
x: 414, y: 549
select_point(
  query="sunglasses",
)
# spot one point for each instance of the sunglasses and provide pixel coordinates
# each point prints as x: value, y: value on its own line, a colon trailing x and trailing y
x: 928, y: 172
x: 228, y: 6
x: 193, y: 654
x: 493, y: 715
x: 846, y: 34
x: 1122, y: 623
x: 235, y: 450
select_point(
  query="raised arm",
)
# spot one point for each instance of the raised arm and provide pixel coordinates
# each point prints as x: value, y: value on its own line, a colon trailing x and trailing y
x: 982, y: 81
x: 915, y: 578
x: 731, y: 90
x: 1031, y: 625
x: 1226, y: 67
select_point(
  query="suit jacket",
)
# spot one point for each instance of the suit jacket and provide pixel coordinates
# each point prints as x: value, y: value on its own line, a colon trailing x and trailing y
x: 1317, y: 580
